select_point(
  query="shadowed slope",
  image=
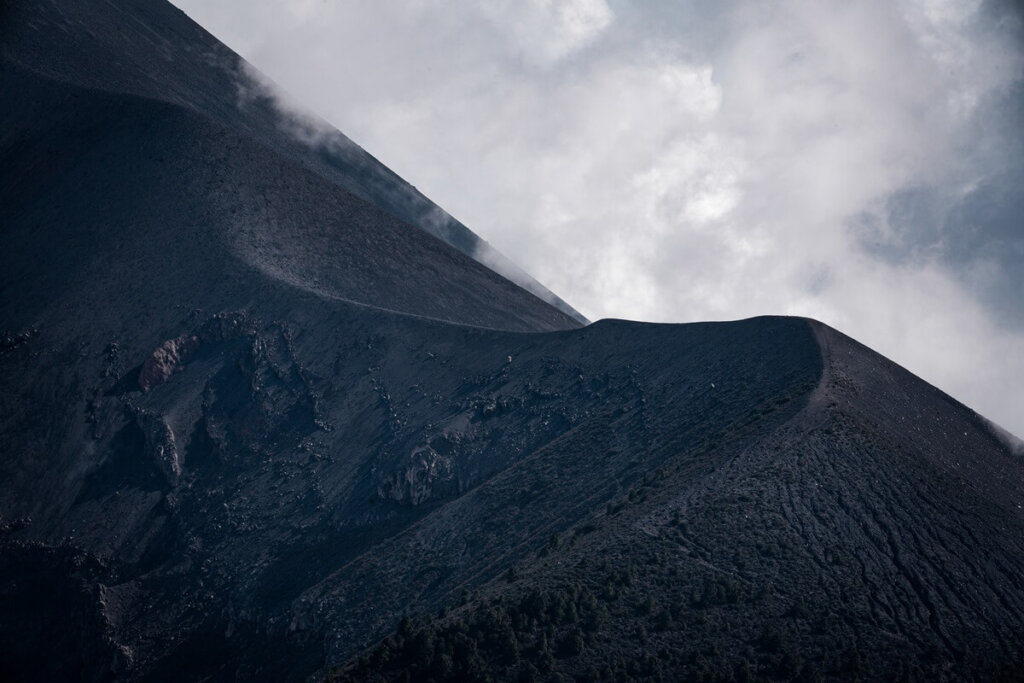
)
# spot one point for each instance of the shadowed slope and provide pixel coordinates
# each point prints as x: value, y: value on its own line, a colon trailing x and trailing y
x: 316, y: 476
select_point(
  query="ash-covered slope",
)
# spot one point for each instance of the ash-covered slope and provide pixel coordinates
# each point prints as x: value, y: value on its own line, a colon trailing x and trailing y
x: 249, y: 420
x: 862, y: 527
x: 144, y: 55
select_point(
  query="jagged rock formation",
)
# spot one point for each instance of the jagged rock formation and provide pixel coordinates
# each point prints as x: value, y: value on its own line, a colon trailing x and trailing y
x: 251, y: 418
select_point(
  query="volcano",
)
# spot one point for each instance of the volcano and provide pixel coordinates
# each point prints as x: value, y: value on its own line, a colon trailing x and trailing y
x: 266, y: 415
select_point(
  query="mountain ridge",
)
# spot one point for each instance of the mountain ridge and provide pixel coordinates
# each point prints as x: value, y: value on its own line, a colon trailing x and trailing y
x: 788, y: 654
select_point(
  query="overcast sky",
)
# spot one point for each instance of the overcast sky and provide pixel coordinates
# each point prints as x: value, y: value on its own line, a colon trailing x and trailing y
x: 859, y: 163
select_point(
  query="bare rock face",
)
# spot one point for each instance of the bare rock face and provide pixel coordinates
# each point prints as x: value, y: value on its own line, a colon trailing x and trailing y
x: 167, y: 360
x: 424, y: 474
x: 173, y: 354
x: 160, y: 444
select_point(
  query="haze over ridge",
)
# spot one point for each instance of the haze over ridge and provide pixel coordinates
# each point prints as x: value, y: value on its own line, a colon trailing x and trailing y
x: 858, y: 165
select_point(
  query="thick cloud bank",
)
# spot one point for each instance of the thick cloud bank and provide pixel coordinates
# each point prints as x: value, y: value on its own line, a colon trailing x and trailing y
x: 859, y: 163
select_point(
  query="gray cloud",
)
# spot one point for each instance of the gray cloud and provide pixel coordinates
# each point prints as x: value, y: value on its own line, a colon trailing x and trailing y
x: 854, y: 162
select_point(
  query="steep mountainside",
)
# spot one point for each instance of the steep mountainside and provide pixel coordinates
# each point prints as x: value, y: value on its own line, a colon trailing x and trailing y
x: 148, y: 57
x: 258, y: 426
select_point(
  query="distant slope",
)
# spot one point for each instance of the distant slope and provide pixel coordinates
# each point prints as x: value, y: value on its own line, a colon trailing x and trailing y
x: 250, y: 420
x: 101, y: 187
x: 151, y: 50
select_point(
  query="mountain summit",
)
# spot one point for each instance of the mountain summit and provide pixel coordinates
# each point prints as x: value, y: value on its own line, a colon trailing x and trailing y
x: 264, y: 417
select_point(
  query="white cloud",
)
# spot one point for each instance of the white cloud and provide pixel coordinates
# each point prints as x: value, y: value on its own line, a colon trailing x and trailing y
x: 545, y: 31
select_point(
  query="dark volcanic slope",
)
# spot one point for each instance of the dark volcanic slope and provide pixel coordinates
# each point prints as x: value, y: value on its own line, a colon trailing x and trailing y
x: 99, y: 90
x: 874, y: 531
x: 227, y: 457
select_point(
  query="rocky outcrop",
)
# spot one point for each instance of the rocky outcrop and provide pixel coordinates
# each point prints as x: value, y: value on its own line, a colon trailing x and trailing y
x: 424, y: 474
x: 161, y: 445
x: 172, y: 355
